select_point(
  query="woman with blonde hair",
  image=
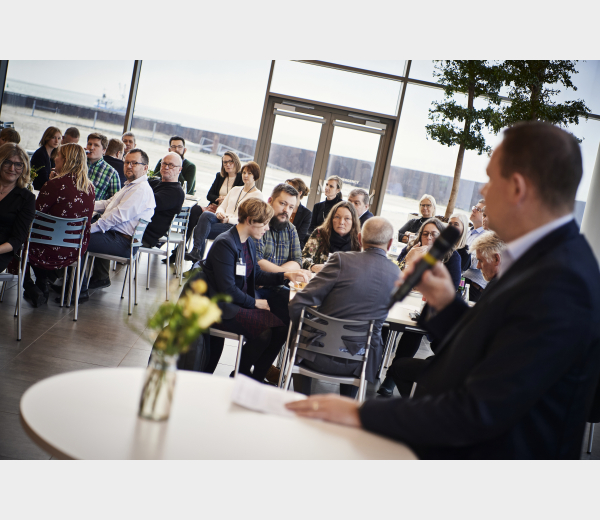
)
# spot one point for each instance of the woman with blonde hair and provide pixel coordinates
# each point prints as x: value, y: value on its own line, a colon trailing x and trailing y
x: 302, y: 215
x: 339, y: 232
x: 68, y: 194
x: 333, y: 194
x: 461, y: 222
x: 427, y: 210
x: 43, y: 158
x: 17, y: 203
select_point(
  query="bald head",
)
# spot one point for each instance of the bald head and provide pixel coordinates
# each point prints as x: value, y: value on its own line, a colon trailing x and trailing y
x: 170, y: 167
x: 377, y: 232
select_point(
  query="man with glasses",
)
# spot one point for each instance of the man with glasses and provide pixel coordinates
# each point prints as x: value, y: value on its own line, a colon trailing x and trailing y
x: 104, y: 177
x: 427, y: 209
x: 188, y: 168
x: 169, y: 197
x: 473, y: 275
x: 111, y: 234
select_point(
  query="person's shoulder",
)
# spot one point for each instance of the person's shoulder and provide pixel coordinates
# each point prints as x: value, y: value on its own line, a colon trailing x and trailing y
x: 186, y: 163
x: 25, y: 194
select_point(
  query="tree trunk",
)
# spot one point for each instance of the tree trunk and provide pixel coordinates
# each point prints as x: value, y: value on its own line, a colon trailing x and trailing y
x: 460, y: 158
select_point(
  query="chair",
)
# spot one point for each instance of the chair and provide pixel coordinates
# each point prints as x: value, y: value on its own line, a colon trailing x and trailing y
x: 177, y: 235
x: 159, y: 252
x: 230, y: 335
x: 334, y: 330
x: 5, y: 278
x: 133, y: 259
x: 54, y: 234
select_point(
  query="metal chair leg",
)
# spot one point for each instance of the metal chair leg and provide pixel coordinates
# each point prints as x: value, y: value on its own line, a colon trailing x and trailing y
x: 137, y: 259
x: 412, y: 390
x: 124, y: 282
x: 167, y: 273
x: 77, y: 277
x: 148, y: 274
x: 70, y: 293
x: 284, y: 356
x: 239, y: 355
x: 591, y: 438
x: 19, y: 299
x: 4, y: 284
x: 130, y: 267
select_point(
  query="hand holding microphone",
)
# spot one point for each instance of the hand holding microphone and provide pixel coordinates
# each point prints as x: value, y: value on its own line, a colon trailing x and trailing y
x: 428, y: 275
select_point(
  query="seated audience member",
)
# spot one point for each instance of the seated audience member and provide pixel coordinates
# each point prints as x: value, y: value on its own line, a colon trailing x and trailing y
x: 339, y: 232
x: 484, y: 220
x: 188, y: 168
x: 229, y: 176
x: 114, y: 157
x: 333, y: 194
x: 302, y: 215
x: 112, y: 233
x: 488, y: 249
x: 128, y: 139
x: 353, y: 285
x: 9, y: 135
x: 17, y: 203
x: 169, y: 197
x: 427, y: 210
x: 461, y: 222
x: 211, y: 225
x: 360, y: 199
x: 103, y: 176
x: 515, y: 376
x: 410, y: 341
x: 68, y: 194
x: 473, y: 275
x: 71, y: 136
x: 43, y: 158
x: 231, y: 268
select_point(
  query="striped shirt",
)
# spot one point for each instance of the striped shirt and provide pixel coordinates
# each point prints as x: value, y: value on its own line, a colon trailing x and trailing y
x: 279, y: 247
x: 104, y: 178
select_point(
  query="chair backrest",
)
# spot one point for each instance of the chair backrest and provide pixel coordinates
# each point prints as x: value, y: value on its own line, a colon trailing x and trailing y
x: 55, y: 232
x: 139, y: 232
x: 330, y: 333
x: 180, y: 222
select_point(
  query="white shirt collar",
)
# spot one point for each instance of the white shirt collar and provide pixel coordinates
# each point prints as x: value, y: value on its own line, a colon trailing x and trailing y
x: 478, y: 230
x: 138, y: 180
x: 518, y: 247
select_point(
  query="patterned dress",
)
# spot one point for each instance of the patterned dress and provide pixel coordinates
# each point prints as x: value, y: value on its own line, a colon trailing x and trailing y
x: 254, y: 321
x: 61, y: 198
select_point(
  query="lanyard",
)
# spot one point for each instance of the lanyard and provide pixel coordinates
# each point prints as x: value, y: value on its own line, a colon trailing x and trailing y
x: 238, y: 199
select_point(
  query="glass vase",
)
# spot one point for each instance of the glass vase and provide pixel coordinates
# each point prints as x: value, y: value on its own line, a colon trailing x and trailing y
x: 159, y: 383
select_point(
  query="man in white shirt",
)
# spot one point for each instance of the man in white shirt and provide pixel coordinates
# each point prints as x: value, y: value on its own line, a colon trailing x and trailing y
x: 473, y: 275
x: 112, y: 233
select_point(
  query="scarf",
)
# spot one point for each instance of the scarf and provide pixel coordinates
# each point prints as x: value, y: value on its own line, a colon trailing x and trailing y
x: 338, y: 242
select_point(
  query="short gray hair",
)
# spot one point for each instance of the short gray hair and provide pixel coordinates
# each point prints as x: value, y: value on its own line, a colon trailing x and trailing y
x: 130, y: 134
x: 430, y: 199
x: 488, y: 244
x: 359, y: 192
x: 377, y: 231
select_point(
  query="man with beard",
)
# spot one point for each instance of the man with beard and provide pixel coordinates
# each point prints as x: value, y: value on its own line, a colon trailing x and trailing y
x: 279, y: 249
x: 188, y: 169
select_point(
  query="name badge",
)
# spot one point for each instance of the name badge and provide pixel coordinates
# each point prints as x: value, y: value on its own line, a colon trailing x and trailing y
x: 240, y: 268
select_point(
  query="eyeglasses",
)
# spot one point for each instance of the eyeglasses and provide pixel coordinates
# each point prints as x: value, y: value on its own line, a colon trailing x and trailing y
x: 168, y: 165
x: 432, y: 234
x: 18, y: 166
x: 475, y: 208
x: 133, y: 163
x: 177, y: 147
x: 225, y: 163
x: 425, y: 205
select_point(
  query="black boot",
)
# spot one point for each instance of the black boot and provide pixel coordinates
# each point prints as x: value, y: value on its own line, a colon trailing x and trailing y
x: 387, y: 387
x: 193, y: 255
x: 33, y: 293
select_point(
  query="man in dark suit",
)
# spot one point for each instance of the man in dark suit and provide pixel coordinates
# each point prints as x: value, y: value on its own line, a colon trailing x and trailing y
x: 360, y: 199
x: 514, y: 377
x: 352, y: 286
x: 188, y: 168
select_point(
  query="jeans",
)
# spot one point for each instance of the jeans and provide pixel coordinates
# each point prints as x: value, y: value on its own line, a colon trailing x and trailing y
x: 208, y: 227
x: 109, y: 243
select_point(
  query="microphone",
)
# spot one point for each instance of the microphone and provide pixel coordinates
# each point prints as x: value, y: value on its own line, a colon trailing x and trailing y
x: 441, y: 246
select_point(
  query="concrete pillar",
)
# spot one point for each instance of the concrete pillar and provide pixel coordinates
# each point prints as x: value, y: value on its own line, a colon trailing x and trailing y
x: 590, y: 224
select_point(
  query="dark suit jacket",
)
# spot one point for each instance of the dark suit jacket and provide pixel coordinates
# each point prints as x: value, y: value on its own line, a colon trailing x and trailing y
x: 219, y: 268
x: 119, y: 166
x: 302, y: 223
x: 40, y: 158
x: 365, y: 216
x: 353, y: 286
x: 213, y: 193
x: 187, y: 174
x: 513, y: 377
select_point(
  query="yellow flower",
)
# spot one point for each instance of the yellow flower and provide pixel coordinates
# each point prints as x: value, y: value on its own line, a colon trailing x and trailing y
x: 195, y: 304
x: 199, y: 286
x: 212, y: 314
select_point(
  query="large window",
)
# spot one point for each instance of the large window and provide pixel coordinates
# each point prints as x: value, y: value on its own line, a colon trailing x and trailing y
x: 91, y: 95
x: 214, y: 105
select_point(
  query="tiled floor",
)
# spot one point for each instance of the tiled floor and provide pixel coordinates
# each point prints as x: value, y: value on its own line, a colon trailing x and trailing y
x: 103, y: 336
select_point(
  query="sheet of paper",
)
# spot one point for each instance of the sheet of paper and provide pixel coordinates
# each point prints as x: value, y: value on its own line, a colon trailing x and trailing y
x: 262, y: 398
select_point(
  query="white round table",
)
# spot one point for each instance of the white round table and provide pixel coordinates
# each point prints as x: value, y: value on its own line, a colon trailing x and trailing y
x: 92, y: 414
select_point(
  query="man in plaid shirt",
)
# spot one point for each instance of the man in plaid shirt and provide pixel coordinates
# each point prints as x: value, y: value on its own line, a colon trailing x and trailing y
x: 104, y: 177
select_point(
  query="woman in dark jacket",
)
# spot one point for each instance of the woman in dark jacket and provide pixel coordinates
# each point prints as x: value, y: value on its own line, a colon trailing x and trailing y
x: 231, y: 268
x: 410, y: 341
x: 17, y: 203
x: 461, y: 222
x: 43, y: 159
x: 333, y: 192
x: 302, y: 215
x: 229, y: 176
x: 427, y: 210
